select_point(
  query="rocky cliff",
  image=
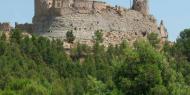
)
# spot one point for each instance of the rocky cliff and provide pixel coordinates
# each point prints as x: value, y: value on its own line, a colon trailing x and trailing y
x: 117, y: 24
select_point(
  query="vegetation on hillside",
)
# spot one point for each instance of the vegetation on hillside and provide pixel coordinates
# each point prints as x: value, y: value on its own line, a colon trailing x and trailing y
x: 38, y: 66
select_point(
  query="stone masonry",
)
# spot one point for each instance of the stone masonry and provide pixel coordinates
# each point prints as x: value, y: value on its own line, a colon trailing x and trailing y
x: 53, y: 18
x: 6, y: 27
x: 25, y: 27
x: 141, y: 6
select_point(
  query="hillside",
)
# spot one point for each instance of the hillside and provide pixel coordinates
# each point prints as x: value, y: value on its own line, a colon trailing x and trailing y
x: 38, y: 66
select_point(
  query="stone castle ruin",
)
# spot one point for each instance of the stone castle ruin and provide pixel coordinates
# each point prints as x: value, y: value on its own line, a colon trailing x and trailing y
x: 53, y: 18
x: 5, y: 27
x: 141, y: 6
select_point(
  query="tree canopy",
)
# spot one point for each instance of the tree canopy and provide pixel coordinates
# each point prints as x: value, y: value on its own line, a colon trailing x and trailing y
x: 39, y: 66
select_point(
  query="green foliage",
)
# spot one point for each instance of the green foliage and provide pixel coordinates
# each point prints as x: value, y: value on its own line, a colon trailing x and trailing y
x: 95, y: 87
x: 153, y: 39
x: 98, y: 36
x: 39, y: 66
x: 70, y: 36
x: 3, y: 37
x: 16, y: 36
x: 159, y: 90
x: 183, y: 43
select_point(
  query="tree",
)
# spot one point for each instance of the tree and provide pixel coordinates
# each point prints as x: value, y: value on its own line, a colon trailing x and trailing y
x: 3, y: 37
x: 39, y: 66
x: 98, y: 36
x: 153, y: 39
x: 159, y: 90
x: 183, y: 43
x: 70, y: 36
x: 95, y: 87
x: 141, y: 70
x: 16, y: 36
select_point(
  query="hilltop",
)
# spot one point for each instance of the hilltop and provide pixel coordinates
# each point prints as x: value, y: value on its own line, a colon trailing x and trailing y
x: 53, y: 18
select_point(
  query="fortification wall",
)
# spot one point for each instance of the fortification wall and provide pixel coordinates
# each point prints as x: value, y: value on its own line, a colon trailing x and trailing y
x: 25, y: 27
x: 116, y: 28
x: 85, y: 17
x: 42, y: 7
x: 141, y: 6
x: 163, y: 32
x: 6, y: 27
x: 98, y: 6
x: 83, y: 7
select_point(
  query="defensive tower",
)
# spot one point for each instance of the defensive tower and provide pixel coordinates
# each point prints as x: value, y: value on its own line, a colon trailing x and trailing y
x: 141, y: 6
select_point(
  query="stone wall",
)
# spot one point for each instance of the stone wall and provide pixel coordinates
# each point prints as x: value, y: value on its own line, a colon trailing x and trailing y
x: 83, y: 7
x: 25, y: 27
x: 163, y: 32
x: 84, y: 17
x: 98, y: 5
x: 6, y: 27
x: 42, y: 7
x: 141, y: 6
x: 129, y: 26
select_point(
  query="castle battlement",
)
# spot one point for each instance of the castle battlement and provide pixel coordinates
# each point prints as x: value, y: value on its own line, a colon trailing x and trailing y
x: 64, y: 7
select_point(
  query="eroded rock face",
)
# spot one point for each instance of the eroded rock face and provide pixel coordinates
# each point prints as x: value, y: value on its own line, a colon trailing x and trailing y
x: 117, y: 23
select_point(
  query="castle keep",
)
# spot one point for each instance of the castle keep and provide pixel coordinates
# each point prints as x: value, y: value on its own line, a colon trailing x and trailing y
x: 141, y: 6
x: 65, y: 7
x: 53, y: 18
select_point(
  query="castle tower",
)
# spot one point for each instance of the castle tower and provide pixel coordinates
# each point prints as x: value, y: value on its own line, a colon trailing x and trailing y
x: 141, y: 6
x: 37, y: 7
x: 42, y: 7
x: 163, y: 31
x: 58, y: 3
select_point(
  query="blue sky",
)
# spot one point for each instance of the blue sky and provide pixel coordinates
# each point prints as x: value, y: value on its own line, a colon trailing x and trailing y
x: 175, y: 13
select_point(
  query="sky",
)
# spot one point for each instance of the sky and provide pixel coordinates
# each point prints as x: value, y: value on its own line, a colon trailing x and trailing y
x: 175, y: 13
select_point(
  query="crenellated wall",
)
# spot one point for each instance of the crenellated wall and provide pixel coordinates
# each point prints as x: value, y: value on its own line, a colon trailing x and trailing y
x: 64, y: 7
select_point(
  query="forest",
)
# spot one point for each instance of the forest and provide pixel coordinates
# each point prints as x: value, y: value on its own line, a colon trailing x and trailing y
x: 39, y: 66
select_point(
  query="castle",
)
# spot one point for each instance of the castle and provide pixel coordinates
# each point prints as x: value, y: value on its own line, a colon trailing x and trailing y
x: 5, y: 27
x: 53, y: 18
x: 64, y: 7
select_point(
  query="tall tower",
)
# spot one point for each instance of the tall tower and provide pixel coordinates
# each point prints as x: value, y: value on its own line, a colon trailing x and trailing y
x: 163, y: 31
x: 37, y: 7
x: 141, y: 6
x: 42, y: 7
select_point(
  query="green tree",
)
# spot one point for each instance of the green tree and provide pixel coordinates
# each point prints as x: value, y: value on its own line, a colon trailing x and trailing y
x: 70, y: 36
x: 98, y: 36
x: 95, y: 87
x: 3, y: 37
x: 16, y: 36
x: 159, y: 90
x: 153, y: 39
x: 183, y: 44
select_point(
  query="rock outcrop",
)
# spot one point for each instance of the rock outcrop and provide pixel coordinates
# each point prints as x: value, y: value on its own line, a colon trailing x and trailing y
x: 53, y: 18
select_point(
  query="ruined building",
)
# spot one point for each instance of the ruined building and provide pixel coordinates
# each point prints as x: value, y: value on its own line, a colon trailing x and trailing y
x: 53, y: 18
x: 163, y: 32
x: 25, y: 27
x: 6, y: 27
x: 141, y: 6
